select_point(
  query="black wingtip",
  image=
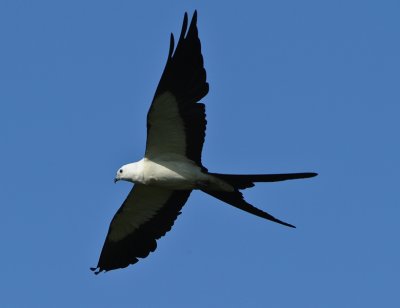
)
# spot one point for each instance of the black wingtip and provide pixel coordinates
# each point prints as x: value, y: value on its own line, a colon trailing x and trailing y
x: 184, y: 26
x: 171, y: 45
x: 194, y: 18
x: 96, y: 270
x: 193, y: 23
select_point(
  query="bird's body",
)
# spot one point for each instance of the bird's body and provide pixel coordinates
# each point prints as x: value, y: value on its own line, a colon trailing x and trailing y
x: 171, y: 172
x: 172, y: 166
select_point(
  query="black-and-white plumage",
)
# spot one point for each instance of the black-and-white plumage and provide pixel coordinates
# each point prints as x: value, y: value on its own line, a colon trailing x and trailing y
x: 172, y: 166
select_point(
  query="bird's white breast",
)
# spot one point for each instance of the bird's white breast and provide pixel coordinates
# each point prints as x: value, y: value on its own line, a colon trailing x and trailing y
x: 173, y: 174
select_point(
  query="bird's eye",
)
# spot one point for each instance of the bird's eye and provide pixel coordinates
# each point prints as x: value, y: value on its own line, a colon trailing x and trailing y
x: 120, y: 170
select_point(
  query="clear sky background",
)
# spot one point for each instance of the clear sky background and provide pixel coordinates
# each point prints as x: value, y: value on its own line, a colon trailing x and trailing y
x: 294, y: 86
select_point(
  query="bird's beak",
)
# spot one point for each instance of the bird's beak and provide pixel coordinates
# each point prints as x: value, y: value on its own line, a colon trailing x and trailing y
x: 116, y: 180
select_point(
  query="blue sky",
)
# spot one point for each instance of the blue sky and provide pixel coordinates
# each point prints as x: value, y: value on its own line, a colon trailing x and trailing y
x: 294, y: 86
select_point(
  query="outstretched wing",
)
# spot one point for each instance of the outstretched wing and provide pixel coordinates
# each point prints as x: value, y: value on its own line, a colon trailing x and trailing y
x: 176, y: 122
x: 145, y: 216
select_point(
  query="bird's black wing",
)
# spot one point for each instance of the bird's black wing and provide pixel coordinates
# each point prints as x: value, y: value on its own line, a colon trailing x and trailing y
x: 176, y: 122
x: 145, y: 216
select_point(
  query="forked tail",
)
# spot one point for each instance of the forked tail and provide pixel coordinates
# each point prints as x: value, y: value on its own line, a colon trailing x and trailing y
x: 235, y: 198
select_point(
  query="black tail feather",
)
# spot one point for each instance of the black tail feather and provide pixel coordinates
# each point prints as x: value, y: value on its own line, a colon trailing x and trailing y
x: 242, y: 181
x: 235, y: 199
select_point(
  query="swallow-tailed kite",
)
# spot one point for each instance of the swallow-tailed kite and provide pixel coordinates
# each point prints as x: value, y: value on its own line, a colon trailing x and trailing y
x: 172, y: 167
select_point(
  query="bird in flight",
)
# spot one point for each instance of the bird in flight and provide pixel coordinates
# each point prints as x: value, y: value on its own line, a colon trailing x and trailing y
x: 172, y: 166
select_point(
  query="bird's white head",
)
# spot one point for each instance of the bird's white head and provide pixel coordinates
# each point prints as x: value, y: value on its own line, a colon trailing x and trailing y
x: 129, y: 172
